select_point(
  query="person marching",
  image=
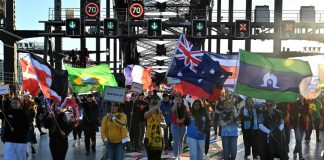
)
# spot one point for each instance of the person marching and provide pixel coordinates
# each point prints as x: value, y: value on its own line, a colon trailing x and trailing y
x: 154, y: 134
x: 271, y: 124
x: 114, y: 133
x: 178, y: 130
x: 197, y: 130
x: 165, y: 107
x: 59, y: 126
x: 229, y: 131
x: 71, y: 104
x: 299, y: 122
x: 315, y: 106
x: 90, y: 123
x: 249, y: 124
x: 16, y: 127
x: 30, y: 108
x: 40, y: 112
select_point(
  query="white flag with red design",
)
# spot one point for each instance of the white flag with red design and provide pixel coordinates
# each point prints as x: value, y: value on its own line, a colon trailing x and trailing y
x: 38, y: 76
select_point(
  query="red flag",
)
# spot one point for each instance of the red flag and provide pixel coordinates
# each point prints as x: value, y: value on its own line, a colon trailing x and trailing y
x: 196, y: 92
x: 146, y: 78
x: 53, y: 83
x: 29, y: 82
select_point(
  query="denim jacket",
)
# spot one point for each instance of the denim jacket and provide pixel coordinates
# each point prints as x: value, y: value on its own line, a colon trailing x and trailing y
x: 228, y: 129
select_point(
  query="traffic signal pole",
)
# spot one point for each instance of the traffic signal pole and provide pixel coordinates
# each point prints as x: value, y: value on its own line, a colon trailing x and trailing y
x: 248, y: 13
x: 219, y: 12
x: 58, y: 40
x: 277, y: 20
x: 108, y: 39
x: 230, y: 19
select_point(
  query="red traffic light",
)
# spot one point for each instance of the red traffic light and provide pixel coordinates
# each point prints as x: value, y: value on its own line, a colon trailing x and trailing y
x: 243, y: 27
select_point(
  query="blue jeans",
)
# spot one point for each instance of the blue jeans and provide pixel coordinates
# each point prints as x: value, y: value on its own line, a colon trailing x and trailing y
x: 299, y: 134
x: 115, y: 151
x: 229, y: 147
x: 197, y: 148
x: 177, y: 135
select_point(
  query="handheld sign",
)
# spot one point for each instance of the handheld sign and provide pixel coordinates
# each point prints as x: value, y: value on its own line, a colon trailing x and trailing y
x: 114, y: 94
x: 171, y: 80
x: 137, y: 87
x: 4, y: 89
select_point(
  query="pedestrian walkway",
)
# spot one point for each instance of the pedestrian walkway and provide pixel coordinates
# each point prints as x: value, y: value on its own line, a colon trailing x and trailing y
x: 312, y: 150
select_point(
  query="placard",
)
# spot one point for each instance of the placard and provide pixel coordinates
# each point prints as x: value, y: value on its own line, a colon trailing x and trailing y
x: 137, y: 87
x: 4, y: 89
x: 171, y: 80
x: 114, y: 94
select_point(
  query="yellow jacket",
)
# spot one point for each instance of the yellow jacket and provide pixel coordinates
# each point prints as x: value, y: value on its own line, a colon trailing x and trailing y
x: 114, y: 130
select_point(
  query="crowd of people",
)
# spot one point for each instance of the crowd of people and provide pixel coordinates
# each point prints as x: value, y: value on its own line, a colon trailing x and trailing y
x: 158, y: 122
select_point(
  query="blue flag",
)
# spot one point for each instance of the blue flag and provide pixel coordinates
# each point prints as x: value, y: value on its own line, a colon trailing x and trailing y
x: 196, y: 67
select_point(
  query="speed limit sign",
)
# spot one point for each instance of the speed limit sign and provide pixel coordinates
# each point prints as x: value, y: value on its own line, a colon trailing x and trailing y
x: 136, y: 10
x: 91, y: 9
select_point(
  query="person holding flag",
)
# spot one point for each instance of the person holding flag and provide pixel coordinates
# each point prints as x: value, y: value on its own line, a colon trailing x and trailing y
x: 16, y: 127
x: 59, y: 126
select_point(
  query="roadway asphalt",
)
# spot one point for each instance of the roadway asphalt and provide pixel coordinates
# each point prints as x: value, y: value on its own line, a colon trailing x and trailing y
x: 312, y: 150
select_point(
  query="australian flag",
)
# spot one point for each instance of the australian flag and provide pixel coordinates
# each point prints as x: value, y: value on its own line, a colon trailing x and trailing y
x: 191, y: 65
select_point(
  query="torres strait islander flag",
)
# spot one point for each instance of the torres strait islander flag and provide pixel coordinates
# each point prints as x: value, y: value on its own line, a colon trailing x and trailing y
x: 138, y: 74
x: 272, y: 79
x: 38, y: 76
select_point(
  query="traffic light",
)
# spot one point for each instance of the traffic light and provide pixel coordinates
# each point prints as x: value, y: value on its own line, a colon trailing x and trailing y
x: 110, y: 27
x: 287, y: 29
x: 2, y: 22
x: 199, y: 28
x: 154, y: 27
x: 242, y: 29
x: 73, y: 27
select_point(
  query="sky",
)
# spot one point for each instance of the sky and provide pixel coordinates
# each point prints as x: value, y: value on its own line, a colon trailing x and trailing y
x: 29, y: 12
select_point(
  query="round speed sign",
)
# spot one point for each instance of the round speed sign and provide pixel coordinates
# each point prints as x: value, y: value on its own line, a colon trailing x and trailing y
x: 136, y: 10
x: 91, y: 9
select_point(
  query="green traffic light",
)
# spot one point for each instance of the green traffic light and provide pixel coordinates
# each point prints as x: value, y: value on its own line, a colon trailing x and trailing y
x: 72, y: 24
x: 200, y: 26
x: 154, y: 26
x: 110, y: 25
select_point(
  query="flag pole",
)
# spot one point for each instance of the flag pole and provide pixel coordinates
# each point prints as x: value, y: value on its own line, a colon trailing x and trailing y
x: 51, y: 111
x: 236, y: 68
x: 11, y: 128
